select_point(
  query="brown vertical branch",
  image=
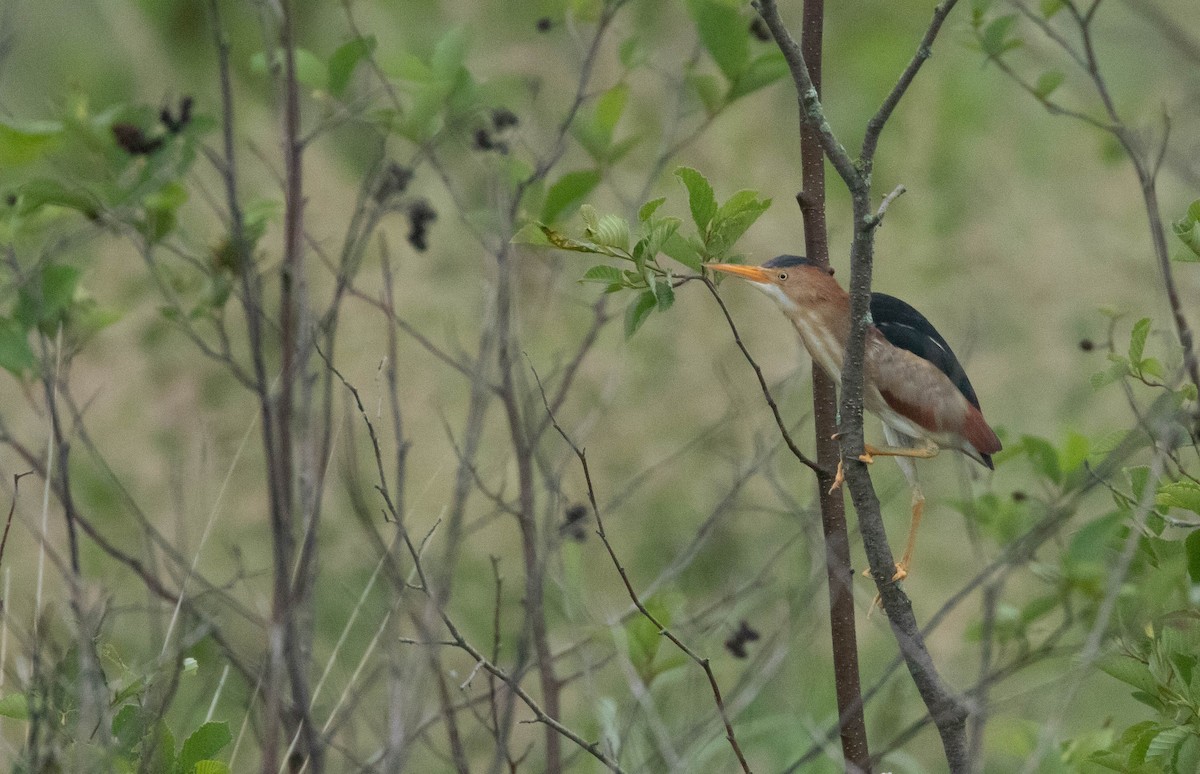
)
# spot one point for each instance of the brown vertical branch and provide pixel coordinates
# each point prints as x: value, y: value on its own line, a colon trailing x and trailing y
x: 838, y: 572
x: 945, y: 707
x: 287, y: 605
x: 535, y: 612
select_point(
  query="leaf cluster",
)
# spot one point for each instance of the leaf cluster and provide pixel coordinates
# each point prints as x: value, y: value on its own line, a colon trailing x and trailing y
x: 717, y: 229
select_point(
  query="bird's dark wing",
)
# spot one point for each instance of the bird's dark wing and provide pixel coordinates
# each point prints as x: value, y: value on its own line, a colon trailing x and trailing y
x: 906, y: 328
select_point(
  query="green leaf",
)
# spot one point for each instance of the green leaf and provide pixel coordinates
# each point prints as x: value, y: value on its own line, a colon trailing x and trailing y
x: 685, y: 251
x: 345, y: 59
x: 449, y: 53
x: 603, y: 273
x: 23, y: 142
x: 763, y: 71
x: 14, y: 706
x: 733, y: 219
x: 665, y: 294
x: 531, y: 234
x: 724, y: 34
x: 610, y: 106
x: 1043, y: 456
x: 1129, y: 671
x: 1051, y: 7
x: 1090, y: 545
x: 1179, y: 494
x: 567, y: 193
x: 1137, y: 339
x: 612, y: 231
x: 210, y: 767
x: 994, y: 38
x: 1048, y: 82
x: 660, y: 233
x: 38, y: 193
x: 205, y: 742
x: 1191, y: 545
x: 1163, y: 745
x: 649, y: 208
x: 310, y: 70
x: 633, y: 52
x: 643, y: 637
x: 1187, y: 229
x: 15, y: 355
x: 701, y: 200
x: 709, y: 90
x: 637, y: 312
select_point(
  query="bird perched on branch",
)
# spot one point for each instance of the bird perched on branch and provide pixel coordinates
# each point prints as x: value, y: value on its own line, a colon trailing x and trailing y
x: 912, y: 380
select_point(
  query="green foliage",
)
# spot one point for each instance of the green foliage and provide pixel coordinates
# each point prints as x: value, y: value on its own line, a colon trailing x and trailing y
x: 724, y: 31
x: 718, y: 227
x: 1187, y: 229
x: 1162, y: 670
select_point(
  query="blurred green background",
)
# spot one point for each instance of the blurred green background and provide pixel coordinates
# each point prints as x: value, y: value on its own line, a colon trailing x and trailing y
x: 1017, y: 228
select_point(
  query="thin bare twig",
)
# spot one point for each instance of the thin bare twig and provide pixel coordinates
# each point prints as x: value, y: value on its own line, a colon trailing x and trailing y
x: 633, y: 595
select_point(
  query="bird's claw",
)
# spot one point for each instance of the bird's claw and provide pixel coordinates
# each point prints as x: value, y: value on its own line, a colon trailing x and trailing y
x: 838, y: 478
x: 867, y: 458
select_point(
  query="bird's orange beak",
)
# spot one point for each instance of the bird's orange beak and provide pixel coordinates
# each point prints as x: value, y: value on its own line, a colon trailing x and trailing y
x: 752, y: 273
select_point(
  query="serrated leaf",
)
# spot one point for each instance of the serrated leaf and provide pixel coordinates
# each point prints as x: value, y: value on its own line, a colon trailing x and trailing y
x: 686, y: 251
x: 1048, y: 82
x: 612, y: 231
x: 1129, y: 671
x: 603, y: 273
x: 701, y: 200
x: 210, y: 767
x: 1137, y: 339
x: 1179, y: 494
x: 665, y: 294
x: 649, y: 208
x: 567, y: 192
x: 1163, y: 745
x: 205, y: 742
x: 724, y: 34
x: 345, y: 59
x: 637, y: 312
x: 662, y: 230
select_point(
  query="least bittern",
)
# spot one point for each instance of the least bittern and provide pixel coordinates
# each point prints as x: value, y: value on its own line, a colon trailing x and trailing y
x: 912, y: 381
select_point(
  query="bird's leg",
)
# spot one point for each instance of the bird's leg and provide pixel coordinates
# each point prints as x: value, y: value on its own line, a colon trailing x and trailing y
x: 925, y: 452
x: 918, y: 508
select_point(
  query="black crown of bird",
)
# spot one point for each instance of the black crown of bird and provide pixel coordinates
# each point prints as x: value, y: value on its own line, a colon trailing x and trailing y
x: 912, y: 380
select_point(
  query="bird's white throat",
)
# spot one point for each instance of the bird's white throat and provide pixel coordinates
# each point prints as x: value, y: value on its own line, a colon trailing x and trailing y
x: 778, y: 296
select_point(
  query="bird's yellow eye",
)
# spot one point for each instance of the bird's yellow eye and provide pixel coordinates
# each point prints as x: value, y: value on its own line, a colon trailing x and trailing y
x: 782, y: 276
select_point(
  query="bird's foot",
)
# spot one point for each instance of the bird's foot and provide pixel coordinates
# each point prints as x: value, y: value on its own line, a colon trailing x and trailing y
x: 838, y: 478
x: 900, y: 574
x: 866, y: 457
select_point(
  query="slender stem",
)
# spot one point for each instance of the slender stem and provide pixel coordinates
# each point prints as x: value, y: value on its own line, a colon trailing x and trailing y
x: 838, y: 572
x: 633, y: 595
x: 947, y: 709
